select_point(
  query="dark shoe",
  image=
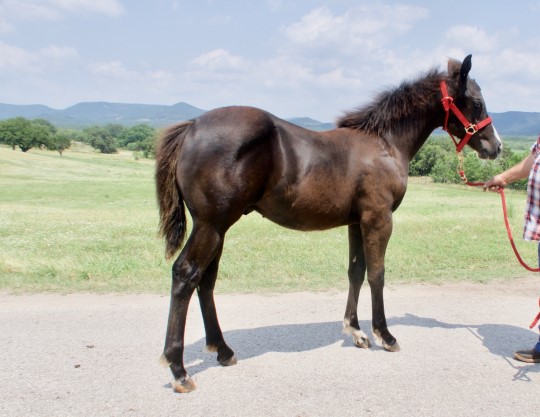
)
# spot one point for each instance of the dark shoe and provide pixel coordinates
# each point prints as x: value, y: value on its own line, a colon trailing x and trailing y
x: 529, y: 356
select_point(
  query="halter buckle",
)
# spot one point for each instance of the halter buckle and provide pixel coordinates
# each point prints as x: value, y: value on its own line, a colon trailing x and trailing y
x: 471, y: 129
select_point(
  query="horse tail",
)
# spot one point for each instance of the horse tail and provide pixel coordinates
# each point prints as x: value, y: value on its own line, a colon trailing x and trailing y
x: 172, y: 216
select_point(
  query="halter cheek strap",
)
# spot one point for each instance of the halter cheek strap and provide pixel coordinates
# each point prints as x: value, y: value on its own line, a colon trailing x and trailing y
x: 470, y: 128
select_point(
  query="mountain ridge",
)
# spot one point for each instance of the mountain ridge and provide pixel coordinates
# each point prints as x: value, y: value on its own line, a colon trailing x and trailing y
x: 85, y: 114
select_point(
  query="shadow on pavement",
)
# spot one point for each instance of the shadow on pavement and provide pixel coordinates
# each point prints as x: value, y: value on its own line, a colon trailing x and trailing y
x: 500, y: 339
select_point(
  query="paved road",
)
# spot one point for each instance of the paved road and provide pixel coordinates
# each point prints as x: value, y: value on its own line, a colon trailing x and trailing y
x: 91, y: 355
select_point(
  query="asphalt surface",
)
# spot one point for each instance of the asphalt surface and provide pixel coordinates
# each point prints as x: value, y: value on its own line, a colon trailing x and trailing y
x: 98, y: 355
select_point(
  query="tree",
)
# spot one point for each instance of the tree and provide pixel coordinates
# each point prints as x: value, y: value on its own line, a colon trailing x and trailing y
x: 115, y: 130
x: 46, y: 124
x: 13, y: 130
x: 25, y: 134
x: 139, y: 138
x: 147, y: 147
x: 37, y: 136
x: 101, y: 138
x: 423, y: 162
x: 60, y: 142
x: 135, y: 134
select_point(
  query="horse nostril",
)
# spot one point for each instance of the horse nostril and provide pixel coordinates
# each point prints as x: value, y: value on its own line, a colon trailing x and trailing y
x: 499, y: 148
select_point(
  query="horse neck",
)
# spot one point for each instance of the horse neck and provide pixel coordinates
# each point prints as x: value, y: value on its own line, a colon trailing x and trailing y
x: 412, y: 135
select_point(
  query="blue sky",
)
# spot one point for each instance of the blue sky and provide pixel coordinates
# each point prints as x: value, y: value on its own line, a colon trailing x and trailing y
x: 291, y: 57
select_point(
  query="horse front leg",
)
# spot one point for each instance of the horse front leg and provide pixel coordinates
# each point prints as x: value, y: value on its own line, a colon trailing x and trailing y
x: 376, y: 231
x: 356, y: 272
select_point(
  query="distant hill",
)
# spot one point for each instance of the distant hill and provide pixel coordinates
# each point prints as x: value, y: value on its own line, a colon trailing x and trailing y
x: 102, y: 113
x: 517, y: 123
x: 311, y: 123
x: 512, y: 123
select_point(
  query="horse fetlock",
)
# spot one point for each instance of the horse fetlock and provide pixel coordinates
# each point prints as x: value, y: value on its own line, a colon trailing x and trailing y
x: 164, y: 361
x: 211, y: 348
x: 226, y: 356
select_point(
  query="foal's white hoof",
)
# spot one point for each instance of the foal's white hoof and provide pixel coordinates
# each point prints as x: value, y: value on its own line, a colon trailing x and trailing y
x: 362, y: 341
x: 359, y: 337
x: 184, y: 386
x: 391, y: 348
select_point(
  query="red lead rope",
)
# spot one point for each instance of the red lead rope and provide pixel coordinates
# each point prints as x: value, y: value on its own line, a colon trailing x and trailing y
x: 536, y: 318
x: 506, y: 223
x: 505, y: 215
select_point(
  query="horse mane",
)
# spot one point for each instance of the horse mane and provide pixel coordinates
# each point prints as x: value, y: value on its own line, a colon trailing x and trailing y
x: 395, y: 109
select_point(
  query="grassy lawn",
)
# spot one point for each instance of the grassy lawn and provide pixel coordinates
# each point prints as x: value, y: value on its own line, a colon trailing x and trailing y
x: 88, y: 222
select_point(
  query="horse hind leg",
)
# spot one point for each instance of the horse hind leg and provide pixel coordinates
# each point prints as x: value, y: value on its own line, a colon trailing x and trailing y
x: 200, y: 250
x: 214, y: 337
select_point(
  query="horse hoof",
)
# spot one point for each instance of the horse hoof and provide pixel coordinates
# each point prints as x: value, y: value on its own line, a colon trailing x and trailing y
x: 391, y: 348
x: 183, y: 386
x: 362, y: 342
x: 228, y: 362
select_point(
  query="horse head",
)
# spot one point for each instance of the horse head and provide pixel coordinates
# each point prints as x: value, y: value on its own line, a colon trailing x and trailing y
x: 466, y: 114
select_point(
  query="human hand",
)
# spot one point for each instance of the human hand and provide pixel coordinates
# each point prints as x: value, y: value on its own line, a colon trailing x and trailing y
x: 495, y: 183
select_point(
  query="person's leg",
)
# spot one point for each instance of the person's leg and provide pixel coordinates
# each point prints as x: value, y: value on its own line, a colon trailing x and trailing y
x: 532, y: 355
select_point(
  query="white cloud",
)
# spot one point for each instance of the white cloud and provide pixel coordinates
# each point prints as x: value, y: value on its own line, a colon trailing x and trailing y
x: 54, y: 9
x: 221, y: 60
x: 29, y: 10
x: 518, y: 63
x: 472, y: 38
x: 363, y: 28
x: 106, y: 7
x: 14, y: 59
x: 113, y: 69
x: 58, y: 52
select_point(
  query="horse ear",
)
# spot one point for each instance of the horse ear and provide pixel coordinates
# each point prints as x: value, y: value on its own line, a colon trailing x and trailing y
x: 454, y: 68
x: 459, y: 71
x: 465, y: 68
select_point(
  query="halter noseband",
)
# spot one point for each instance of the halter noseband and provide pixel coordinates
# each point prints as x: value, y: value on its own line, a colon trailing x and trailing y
x: 470, y: 128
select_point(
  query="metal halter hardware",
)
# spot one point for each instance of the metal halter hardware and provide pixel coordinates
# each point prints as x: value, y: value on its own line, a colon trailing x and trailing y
x: 470, y: 128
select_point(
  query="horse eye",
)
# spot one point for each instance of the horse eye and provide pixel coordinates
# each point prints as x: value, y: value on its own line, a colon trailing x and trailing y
x: 477, y: 105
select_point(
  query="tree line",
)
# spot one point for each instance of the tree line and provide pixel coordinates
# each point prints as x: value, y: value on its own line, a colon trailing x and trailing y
x: 40, y: 133
x: 436, y: 159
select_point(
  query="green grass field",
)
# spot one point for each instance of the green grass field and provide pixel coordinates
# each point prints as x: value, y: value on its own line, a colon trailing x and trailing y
x: 88, y: 222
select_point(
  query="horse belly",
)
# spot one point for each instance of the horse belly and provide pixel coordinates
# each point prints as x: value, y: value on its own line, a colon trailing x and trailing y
x: 318, y: 212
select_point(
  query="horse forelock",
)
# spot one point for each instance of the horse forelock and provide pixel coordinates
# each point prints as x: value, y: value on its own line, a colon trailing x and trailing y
x: 394, y: 109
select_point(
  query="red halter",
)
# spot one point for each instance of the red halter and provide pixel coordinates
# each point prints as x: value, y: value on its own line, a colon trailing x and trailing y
x: 470, y: 128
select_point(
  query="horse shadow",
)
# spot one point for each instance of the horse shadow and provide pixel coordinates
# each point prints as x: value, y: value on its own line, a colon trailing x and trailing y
x: 290, y: 338
x: 500, y: 339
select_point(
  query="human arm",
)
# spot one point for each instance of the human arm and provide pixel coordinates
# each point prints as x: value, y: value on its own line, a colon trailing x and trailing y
x: 517, y: 172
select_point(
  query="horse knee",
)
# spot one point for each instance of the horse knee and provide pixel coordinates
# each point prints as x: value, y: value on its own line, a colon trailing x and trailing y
x: 185, y: 279
x: 377, y: 279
